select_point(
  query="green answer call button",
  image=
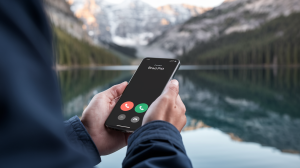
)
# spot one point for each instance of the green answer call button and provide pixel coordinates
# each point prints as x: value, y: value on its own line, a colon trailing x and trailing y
x: 140, y: 108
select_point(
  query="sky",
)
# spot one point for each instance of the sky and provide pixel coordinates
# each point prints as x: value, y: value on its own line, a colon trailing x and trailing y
x: 202, y: 3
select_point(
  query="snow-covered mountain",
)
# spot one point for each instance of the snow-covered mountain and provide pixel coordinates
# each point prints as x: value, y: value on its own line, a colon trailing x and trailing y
x: 231, y: 16
x: 132, y: 22
x: 180, y: 13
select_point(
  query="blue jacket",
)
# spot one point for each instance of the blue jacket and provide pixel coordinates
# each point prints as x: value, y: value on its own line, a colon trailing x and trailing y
x: 32, y: 133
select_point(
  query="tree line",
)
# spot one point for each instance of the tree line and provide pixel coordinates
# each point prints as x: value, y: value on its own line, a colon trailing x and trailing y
x: 276, y: 42
x: 71, y: 51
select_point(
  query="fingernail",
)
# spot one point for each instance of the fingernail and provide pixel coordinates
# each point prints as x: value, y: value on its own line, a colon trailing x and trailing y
x: 124, y: 82
x: 175, y: 82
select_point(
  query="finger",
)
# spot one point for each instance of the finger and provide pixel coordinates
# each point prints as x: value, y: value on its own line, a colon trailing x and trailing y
x: 115, y: 91
x: 115, y: 100
x: 179, y: 103
x: 172, y: 89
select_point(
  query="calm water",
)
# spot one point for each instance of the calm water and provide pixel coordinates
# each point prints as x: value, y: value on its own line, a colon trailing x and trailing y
x: 236, y: 117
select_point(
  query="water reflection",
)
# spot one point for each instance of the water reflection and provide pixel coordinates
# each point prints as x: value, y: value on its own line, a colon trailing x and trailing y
x: 237, y: 105
x: 80, y: 85
x: 254, y: 105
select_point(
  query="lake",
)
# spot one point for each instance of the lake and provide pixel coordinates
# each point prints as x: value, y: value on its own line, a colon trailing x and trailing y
x: 236, y: 117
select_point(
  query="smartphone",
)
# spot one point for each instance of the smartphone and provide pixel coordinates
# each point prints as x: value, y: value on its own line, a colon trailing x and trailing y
x: 145, y: 86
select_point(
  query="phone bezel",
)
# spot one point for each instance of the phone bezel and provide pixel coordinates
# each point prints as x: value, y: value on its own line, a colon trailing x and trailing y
x: 127, y: 130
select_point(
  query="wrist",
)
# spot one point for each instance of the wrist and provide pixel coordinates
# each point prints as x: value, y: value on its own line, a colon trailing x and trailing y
x: 93, y: 136
x: 82, y: 134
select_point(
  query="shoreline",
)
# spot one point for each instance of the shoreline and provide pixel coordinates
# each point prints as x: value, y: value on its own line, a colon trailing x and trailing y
x: 182, y: 67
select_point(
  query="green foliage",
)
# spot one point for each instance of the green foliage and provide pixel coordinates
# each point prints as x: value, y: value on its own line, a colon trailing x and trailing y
x: 71, y: 51
x: 278, y: 40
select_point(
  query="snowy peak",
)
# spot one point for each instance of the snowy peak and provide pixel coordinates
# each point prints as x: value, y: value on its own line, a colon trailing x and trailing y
x: 132, y: 22
x: 182, y: 12
x: 229, y: 17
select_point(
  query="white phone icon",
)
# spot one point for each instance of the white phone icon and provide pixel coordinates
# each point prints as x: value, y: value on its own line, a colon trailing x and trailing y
x: 126, y: 106
x: 141, y: 108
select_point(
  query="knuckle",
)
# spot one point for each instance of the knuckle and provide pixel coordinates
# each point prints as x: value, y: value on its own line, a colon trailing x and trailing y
x: 113, y: 92
x: 183, y: 108
x: 174, y: 88
x: 99, y: 96
x: 166, y: 98
x: 185, y: 120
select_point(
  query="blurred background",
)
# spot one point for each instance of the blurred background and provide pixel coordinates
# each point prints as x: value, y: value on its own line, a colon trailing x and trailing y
x: 240, y: 78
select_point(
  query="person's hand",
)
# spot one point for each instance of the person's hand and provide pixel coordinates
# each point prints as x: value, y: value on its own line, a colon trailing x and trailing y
x: 168, y: 107
x: 95, y: 115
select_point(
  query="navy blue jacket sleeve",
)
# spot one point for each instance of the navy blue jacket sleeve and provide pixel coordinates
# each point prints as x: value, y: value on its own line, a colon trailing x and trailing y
x: 80, y: 138
x: 156, y: 144
x: 32, y: 132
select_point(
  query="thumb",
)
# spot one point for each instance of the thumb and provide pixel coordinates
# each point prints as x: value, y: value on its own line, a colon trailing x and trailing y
x: 172, y: 88
x: 115, y: 91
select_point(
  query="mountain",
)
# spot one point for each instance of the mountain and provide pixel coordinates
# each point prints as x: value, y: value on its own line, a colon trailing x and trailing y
x: 61, y: 16
x: 276, y: 42
x: 180, y: 13
x: 230, y: 17
x: 73, y: 46
x: 132, y: 22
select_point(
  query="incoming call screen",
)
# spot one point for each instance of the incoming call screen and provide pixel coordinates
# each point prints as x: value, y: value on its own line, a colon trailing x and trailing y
x: 145, y: 86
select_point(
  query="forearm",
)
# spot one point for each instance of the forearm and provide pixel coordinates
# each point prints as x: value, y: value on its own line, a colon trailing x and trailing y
x: 156, y: 144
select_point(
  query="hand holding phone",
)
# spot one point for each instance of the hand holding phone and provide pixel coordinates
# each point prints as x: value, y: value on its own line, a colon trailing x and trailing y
x: 94, y: 116
x: 146, y: 85
x: 168, y: 107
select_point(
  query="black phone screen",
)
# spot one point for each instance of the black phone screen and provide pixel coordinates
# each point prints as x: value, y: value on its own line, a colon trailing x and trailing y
x: 145, y: 86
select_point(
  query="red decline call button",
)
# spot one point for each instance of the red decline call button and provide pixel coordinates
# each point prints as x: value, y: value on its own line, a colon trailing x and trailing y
x: 127, y: 106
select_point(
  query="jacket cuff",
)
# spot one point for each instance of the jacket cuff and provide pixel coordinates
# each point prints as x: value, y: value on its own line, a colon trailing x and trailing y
x: 156, y: 130
x: 78, y: 135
